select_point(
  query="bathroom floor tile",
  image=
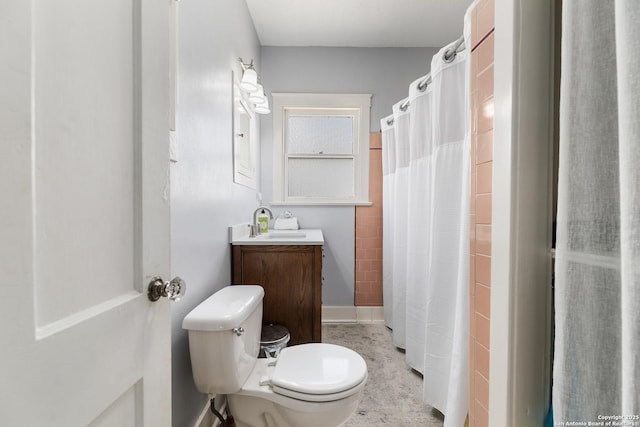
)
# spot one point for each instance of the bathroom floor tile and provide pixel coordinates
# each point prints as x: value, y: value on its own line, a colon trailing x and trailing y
x: 393, y: 393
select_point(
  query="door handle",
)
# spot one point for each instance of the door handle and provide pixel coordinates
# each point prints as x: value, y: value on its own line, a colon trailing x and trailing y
x: 174, y: 290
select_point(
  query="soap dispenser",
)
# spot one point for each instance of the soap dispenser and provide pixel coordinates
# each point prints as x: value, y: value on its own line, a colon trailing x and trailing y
x: 263, y: 222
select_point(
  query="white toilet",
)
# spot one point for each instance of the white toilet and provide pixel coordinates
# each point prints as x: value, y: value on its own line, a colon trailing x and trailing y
x: 307, y: 385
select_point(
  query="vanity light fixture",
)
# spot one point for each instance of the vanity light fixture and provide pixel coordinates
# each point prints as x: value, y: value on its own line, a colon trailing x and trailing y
x: 249, y: 80
x: 251, y: 83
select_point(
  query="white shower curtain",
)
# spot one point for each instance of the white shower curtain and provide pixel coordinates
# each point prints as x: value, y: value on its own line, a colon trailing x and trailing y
x: 427, y: 211
x: 388, y: 183
x: 400, y: 214
x: 446, y: 366
x: 597, y: 346
x: 419, y: 219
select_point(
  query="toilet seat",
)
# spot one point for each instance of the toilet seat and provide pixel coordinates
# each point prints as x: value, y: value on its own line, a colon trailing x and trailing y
x: 317, y: 398
x: 318, y: 372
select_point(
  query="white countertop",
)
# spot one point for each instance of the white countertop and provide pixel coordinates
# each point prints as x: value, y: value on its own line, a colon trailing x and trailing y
x: 239, y: 235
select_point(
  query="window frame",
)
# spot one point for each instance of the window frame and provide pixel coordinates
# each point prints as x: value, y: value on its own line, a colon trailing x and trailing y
x: 284, y: 103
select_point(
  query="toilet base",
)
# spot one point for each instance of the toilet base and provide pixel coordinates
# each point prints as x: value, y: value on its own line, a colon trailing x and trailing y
x: 251, y: 411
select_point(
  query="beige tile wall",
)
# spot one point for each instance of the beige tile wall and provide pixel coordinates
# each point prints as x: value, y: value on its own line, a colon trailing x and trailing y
x: 482, y: 41
x: 369, y: 233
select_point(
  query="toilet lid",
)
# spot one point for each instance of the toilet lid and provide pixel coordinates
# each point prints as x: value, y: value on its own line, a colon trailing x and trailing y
x: 318, y: 369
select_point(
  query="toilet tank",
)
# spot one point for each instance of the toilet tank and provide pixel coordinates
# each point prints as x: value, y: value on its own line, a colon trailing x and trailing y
x: 224, y: 338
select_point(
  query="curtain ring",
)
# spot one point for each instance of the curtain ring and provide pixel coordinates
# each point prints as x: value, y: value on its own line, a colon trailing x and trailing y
x: 390, y: 121
x: 404, y: 106
x: 449, y: 55
x: 422, y: 86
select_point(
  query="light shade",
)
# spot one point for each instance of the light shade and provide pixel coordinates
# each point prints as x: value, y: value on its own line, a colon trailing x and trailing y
x: 263, y: 108
x: 257, y: 96
x: 249, y: 81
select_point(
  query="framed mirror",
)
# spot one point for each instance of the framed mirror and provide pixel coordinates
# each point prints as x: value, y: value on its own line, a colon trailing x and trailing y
x: 244, y: 139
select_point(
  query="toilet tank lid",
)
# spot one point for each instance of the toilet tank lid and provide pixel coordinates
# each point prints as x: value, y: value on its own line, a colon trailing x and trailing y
x: 224, y: 310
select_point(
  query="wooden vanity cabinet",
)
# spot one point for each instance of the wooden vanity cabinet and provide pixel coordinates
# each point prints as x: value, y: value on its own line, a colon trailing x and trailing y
x: 291, y: 276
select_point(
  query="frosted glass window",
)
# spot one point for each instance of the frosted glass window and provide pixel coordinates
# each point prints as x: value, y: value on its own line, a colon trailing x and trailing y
x: 321, y: 177
x: 321, y: 148
x: 320, y: 134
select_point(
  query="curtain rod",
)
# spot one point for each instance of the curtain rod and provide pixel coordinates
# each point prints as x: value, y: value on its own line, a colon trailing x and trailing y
x: 449, y: 56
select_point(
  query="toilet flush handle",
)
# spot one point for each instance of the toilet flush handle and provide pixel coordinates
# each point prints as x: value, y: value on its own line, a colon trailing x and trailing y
x: 238, y: 331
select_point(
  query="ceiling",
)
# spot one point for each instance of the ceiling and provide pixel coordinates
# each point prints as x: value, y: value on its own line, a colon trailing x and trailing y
x: 358, y: 23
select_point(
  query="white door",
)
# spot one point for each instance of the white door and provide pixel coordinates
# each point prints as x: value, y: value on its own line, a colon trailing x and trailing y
x: 84, y: 213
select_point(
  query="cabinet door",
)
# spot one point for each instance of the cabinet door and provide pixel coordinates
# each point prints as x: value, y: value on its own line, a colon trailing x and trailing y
x: 292, y: 291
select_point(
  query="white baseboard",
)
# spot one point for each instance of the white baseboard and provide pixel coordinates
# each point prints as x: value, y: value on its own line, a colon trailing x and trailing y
x: 352, y: 314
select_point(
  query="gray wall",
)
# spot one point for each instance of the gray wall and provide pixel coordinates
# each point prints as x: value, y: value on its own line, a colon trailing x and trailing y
x: 383, y: 72
x: 204, y: 198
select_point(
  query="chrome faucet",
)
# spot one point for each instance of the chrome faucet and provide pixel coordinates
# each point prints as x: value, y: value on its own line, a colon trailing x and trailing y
x: 255, y: 229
